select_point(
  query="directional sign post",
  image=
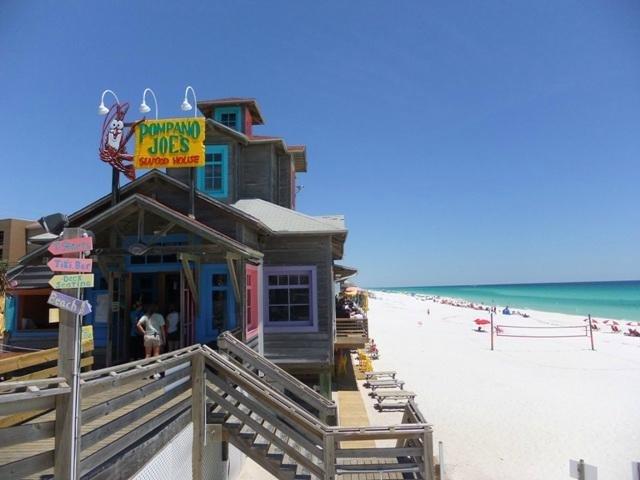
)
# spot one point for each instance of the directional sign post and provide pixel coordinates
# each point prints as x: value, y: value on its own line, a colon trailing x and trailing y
x: 74, y: 244
x: 71, y: 245
x: 70, y: 304
x: 65, y: 264
x: 80, y: 280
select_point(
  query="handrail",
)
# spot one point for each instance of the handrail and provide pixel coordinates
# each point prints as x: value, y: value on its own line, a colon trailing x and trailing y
x: 326, y: 408
x: 262, y: 390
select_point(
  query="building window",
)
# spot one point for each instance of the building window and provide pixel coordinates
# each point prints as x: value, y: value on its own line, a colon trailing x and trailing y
x: 229, y: 117
x: 1, y: 243
x: 291, y: 297
x: 213, y: 177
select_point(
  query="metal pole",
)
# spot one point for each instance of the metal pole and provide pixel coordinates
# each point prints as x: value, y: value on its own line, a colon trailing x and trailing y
x: 441, y: 457
x: 591, y: 332
x: 115, y: 186
x: 192, y: 193
x: 581, y: 470
x: 491, y: 316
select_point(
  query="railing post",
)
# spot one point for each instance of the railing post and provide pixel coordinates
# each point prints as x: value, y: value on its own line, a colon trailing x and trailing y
x: 329, y: 459
x: 198, y: 417
x: 215, y: 451
x: 427, y: 444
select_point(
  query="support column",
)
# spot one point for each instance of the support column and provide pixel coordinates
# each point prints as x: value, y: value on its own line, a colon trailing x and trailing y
x: 216, y: 453
x: 325, y: 384
x: 198, y: 415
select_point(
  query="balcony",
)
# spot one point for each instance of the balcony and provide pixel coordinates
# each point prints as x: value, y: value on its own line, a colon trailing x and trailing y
x: 351, y: 333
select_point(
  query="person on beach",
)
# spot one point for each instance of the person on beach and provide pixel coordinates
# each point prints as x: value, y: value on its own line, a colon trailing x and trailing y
x: 173, y: 321
x: 154, y: 329
x: 135, y: 339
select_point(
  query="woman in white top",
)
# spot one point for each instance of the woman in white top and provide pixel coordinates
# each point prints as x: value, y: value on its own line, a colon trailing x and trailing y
x: 154, y: 329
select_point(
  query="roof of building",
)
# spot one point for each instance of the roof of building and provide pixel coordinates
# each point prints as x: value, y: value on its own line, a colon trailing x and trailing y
x: 298, y: 152
x: 337, y: 220
x: 284, y: 220
x: 162, y: 210
x: 206, y: 107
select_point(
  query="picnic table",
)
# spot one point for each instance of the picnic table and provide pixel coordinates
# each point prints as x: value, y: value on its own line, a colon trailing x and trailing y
x: 392, y: 399
x: 388, y: 383
x: 377, y: 375
x: 393, y: 395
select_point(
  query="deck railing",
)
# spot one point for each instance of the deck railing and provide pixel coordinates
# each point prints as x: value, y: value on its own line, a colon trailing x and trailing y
x: 127, y: 414
x: 352, y: 332
x: 304, y: 395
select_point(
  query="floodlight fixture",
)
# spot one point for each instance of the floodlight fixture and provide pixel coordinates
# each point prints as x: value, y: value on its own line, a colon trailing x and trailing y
x: 102, y: 109
x: 186, y: 106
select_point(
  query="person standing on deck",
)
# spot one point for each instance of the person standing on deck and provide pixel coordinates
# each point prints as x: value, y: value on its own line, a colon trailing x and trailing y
x: 173, y: 321
x: 154, y: 329
x: 135, y: 340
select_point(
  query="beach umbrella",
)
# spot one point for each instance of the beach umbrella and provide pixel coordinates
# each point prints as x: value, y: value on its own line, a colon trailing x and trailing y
x: 615, y: 323
x: 481, y: 321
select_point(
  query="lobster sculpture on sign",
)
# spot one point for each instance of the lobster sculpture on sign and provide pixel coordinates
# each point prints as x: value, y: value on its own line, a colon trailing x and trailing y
x: 113, y: 141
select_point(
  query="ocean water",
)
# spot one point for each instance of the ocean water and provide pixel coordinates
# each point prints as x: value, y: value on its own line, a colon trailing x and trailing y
x: 619, y: 300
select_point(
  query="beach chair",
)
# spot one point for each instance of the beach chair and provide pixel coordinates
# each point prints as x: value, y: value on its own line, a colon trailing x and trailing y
x: 633, y: 332
x: 615, y: 328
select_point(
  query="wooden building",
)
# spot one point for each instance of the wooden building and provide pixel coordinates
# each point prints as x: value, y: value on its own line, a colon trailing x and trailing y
x: 237, y: 257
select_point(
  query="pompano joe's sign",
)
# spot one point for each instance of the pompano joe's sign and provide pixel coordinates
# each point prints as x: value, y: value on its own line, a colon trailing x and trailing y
x: 170, y: 143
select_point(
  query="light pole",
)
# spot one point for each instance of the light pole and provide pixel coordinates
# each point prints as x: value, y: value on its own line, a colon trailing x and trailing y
x: 186, y: 106
x: 144, y: 108
x: 115, y: 174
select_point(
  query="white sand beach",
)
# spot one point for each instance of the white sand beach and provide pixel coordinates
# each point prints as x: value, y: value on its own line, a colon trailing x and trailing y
x: 523, y: 410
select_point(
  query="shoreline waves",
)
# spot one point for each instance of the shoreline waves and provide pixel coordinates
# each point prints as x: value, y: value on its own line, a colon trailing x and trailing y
x: 614, y: 300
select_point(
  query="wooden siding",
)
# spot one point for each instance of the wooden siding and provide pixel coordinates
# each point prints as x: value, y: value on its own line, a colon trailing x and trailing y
x: 284, y: 181
x: 254, y: 172
x: 304, y: 348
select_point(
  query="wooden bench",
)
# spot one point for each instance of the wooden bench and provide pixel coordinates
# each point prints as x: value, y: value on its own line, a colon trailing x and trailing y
x: 389, y: 383
x: 377, y: 375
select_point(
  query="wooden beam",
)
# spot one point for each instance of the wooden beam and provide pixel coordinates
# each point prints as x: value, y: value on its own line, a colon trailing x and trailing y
x: 198, y: 416
x: 190, y: 280
x: 161, y: 233
x: 140, y: 224
x: 234, y: 276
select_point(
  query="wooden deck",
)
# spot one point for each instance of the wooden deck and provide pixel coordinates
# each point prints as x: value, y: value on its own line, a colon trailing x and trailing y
x: 21, y: 451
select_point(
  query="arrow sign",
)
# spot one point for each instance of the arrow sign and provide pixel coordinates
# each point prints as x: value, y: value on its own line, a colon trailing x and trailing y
x: 64, y: 264
x: 70, y: 304
x: 82, y: 280
x: 73, y: 245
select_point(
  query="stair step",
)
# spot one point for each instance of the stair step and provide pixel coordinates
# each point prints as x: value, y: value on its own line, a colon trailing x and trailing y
x: 234, y: 423
x: 247, y: 433
x: 261, y: 442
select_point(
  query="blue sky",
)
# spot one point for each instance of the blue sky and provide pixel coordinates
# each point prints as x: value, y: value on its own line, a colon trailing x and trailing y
x: 466, y: 142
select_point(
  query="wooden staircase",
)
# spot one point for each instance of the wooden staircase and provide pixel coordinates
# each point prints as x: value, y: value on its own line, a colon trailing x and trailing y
x: 277, y: 421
